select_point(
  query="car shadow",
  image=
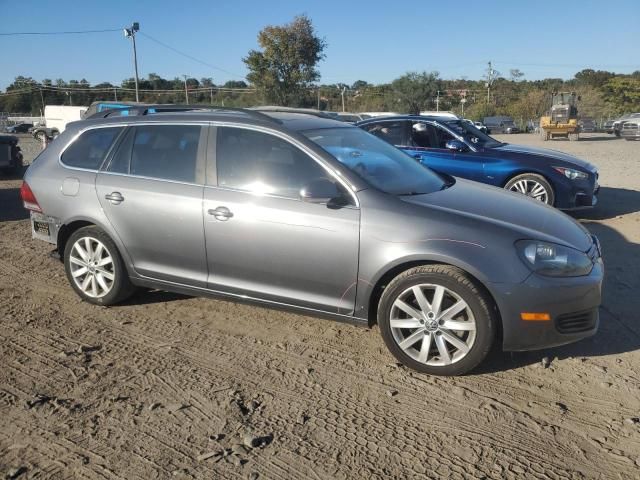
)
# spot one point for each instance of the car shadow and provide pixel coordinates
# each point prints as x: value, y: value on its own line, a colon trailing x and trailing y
x: 11, y: 208
x: 599, y: 139
x: 146, y: 296
x: 612, y: 202
x: 619, y: 330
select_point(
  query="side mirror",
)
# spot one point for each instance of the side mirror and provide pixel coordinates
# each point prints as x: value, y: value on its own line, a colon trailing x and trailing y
x: 321, y: 190
x: 455, y: 145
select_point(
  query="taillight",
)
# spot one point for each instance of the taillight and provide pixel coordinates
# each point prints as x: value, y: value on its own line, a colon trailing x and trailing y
x: 28, y: 198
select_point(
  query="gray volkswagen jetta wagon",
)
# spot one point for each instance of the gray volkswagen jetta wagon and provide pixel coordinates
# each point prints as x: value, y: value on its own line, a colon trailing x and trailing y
x: 295, y: 211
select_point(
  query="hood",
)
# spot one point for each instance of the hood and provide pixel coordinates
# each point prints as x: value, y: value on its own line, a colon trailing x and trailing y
x: 546, y: 153
x: 530, y: 218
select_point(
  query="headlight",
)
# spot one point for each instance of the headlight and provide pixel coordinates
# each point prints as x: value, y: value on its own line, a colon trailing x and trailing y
x: 571, y: 174
x: 553, y: 260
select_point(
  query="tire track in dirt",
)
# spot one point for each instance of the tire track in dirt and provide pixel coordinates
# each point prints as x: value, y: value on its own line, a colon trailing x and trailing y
x: 362, y: 416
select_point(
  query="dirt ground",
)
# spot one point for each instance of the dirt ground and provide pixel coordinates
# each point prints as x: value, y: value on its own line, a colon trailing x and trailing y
x: 168, y: 386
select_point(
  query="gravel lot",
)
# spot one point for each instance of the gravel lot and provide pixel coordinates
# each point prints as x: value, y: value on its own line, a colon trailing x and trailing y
x: 173, y: 386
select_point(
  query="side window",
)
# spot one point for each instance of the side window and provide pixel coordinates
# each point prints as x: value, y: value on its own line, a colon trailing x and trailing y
x: 258, y: 162
x: 424, y: 135
x: 390, y: 132
x: 443, y: 137
x: 121, y: 160
x: 90, y: 148
x: 167, y: 152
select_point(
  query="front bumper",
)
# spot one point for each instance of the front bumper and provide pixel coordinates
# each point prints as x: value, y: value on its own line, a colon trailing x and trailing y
x: 572, y: 304
x: 576, y: 194
x: 630, y: 133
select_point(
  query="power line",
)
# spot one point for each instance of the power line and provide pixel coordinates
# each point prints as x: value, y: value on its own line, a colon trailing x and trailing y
x: 88, y: 89
x: 202, y: 62
x: 62, y: 33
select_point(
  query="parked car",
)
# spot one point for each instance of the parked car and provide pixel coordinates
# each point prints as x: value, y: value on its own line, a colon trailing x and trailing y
x: 479, y: 125
x: 440, y: 113
x: 617, y: 125
x: 501, y: 124
x: 455, y: 147
x: 607, y: 127
x: 350, y: 117
x: 317, y: 216
x: 19, y: 128
x: 56, y: 119
x: 10, y: 154
x: 378, y: 114
x: 631, y: 129
x: 587, y: 124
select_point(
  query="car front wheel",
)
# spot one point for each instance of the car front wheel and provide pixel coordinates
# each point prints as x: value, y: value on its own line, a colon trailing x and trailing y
x: 532, y: 185
x: 94, y: 267
x: 437, y: 320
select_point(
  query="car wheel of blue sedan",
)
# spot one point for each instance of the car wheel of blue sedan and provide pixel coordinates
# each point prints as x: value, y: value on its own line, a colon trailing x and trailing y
x: 532, y: 185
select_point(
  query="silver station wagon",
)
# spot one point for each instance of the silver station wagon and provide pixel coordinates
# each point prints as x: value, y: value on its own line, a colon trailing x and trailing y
x: 295, y: 211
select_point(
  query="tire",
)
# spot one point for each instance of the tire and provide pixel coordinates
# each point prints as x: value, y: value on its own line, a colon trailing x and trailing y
x: 431, y: 335
x: 40, y: 136
x: 526, y: 185
x: 101, y: 290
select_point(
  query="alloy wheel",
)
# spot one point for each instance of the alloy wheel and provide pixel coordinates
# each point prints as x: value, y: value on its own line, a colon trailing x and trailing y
x: 92, y: 267
x: 531, y: 188
x: 432, y: 324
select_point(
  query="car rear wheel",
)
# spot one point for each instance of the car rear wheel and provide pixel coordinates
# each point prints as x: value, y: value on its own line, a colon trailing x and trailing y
x: 435, y: 319
x: 532, y: 185
x: 94, y: 267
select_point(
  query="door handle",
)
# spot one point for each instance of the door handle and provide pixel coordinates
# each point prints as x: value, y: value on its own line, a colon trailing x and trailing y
x: 417, y: 156
x: 221, y: 213
x: 114, y: 197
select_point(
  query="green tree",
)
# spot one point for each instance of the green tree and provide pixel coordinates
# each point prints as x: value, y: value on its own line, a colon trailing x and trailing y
x: 235, y: 84
x: 415, y: 91
x: 286, y: 65
x: 623, y: 93
x: 593, y: 78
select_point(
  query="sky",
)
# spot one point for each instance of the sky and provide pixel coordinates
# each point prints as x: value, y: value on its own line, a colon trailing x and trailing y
x: 375, y: 41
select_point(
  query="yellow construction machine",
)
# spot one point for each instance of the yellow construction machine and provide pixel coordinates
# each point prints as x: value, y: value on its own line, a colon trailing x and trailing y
x: 562, y: 120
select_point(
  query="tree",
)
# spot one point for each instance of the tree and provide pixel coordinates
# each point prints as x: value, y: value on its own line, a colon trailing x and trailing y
x: 359, y: 85
x: 286, y: 65
x: 623, y: 93
x: 415, y: 90
x: 593, y: 78
x: 516, y: 74
x: 235, y: 84
x: 530, y: 106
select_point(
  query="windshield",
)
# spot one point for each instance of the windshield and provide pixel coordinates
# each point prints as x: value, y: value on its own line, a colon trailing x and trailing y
x: 472, y: 135
x: 378, y: 163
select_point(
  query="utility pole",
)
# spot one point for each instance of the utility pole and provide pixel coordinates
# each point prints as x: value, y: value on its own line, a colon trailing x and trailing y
x: 130, y: 32
x: 42, y: 100
x: 186, y: 92
x: 318, y: 91
x: 438, y: 101
x: 490, y: 73
x: 115, y: 94
x: 211, y: 95
x: 344, y: 89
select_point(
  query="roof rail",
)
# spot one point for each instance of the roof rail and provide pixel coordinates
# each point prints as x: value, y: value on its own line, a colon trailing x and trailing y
x: 136, y: 110
x: 307, y: 111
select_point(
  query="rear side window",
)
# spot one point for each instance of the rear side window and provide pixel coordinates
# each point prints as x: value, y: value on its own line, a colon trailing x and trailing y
x: 167, y: 152
x: 90, y: 148
x: 261, y: 163
x: 390, y: 132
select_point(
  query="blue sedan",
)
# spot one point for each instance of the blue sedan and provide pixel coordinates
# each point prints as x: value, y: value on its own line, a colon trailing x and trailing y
x: 455, y: 147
